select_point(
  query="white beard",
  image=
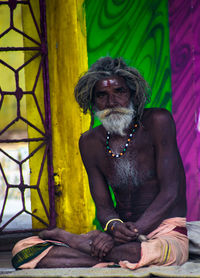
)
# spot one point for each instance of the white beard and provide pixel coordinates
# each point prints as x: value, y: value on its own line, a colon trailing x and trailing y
x: 116, y: 120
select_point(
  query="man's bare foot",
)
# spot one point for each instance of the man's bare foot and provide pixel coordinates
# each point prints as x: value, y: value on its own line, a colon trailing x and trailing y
x: 81, y: 242
x: 53, y: 234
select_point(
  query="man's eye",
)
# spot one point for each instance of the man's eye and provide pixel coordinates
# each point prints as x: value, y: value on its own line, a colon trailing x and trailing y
x: 120, y: 90
x: 101, y: 95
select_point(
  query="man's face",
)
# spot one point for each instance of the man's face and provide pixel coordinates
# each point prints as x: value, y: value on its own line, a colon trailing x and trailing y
x: 113, y: 106
x: 111, y: 92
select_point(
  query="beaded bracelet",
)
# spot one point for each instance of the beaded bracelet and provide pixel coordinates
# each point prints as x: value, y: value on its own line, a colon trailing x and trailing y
x: 109, y: 221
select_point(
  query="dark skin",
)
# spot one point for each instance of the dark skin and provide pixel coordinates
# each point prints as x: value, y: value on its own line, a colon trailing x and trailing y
x: 154, y: 188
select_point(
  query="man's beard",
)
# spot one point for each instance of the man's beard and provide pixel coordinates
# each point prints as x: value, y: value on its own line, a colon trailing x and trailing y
x: 116, y: 120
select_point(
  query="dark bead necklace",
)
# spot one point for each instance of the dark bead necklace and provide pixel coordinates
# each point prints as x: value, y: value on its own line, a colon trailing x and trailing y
x: 117, y: 155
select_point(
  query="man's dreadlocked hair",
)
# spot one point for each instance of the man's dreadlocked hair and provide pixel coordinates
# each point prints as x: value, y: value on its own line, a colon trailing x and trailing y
x: 104, y: 68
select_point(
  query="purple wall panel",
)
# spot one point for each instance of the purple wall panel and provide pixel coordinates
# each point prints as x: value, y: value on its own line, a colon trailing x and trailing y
x: 185, y: 62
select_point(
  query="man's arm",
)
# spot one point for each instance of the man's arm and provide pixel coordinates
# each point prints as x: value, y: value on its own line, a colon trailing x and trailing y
x: 170, y: 173
x: 98, y: 188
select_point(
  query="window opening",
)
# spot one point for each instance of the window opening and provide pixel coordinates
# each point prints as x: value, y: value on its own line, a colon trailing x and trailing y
x: 25, y: 119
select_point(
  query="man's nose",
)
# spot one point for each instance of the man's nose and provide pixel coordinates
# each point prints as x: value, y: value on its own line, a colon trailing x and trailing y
x: 111, y: 101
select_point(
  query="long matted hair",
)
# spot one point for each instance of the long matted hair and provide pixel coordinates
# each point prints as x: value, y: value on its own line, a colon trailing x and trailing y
x: 104, y: 68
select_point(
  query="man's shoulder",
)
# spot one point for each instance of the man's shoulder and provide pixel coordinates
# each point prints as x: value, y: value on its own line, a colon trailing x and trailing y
x: 160, y: 124
x: 90, y: 144
x: 157, y: 116
x: 156, y: 111
x: 90, y: 136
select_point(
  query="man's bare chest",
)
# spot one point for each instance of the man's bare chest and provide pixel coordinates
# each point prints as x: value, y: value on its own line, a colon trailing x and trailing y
x: 135, y: 167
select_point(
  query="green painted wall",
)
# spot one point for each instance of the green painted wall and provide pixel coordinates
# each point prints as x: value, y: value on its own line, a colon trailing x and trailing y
x: 137, y: 31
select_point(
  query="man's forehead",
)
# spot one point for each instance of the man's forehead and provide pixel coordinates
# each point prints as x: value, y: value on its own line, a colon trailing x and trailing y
x: 111, y: 81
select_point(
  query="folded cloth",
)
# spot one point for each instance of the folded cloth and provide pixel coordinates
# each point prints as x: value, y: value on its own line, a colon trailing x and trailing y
x: 29, y: 251
x: 167, y: 245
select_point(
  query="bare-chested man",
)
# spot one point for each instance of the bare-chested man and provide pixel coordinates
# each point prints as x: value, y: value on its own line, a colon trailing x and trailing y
x: 135, y: 152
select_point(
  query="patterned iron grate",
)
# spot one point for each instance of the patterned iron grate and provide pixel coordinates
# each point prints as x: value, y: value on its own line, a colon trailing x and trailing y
x: 25, y: 125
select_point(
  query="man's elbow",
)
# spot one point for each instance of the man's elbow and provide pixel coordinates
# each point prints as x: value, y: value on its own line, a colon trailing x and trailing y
x: 171, y: 196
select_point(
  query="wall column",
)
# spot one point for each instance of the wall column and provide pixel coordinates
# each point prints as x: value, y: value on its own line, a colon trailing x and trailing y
x: 185, y: 59
x: 67, y: 54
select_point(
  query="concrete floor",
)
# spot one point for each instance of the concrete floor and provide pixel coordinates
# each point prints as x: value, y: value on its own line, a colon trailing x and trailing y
x: 5, y: 262
x: 189, y: 269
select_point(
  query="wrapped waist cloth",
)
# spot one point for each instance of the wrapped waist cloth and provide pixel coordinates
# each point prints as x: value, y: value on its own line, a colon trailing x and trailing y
x: 166, y: 245
x: 29, y: 251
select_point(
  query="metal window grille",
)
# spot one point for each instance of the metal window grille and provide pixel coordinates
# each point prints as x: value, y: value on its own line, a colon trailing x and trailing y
x: 18, y: 50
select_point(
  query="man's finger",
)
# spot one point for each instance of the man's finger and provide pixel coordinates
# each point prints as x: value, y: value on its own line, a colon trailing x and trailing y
x: 107, y: 249
x: 96, y: 241
x: 124, y: 230
x: 124, y: 235
x: 102, y: 249
x: 99, y: 249
x: 132, y: 227
x: 119, y: 240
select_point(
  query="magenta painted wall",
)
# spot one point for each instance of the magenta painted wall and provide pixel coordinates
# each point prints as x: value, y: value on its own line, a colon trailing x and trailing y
x: 184, y: 22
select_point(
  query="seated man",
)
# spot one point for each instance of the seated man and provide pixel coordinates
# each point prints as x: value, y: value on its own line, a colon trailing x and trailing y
x: 135, y: 152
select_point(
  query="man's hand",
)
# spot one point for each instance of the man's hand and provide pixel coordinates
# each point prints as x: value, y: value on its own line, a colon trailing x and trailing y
x: 124, y: 232
x: 101, y: 245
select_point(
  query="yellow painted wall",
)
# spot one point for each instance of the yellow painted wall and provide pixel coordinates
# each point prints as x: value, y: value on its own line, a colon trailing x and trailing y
x: 67, y: 60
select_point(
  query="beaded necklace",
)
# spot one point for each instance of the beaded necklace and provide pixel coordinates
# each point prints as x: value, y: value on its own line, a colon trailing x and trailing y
x: 114, y: 155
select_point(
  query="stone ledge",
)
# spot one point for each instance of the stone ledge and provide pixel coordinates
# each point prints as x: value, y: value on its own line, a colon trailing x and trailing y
x: 76, y: 272
x: 189, y: 270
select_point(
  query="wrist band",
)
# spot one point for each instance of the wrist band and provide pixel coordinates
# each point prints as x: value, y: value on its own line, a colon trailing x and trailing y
x: 109, y: 221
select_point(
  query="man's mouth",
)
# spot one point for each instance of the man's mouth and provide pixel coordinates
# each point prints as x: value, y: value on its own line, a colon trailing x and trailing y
x: 120, y: 111
x: 112, y: 112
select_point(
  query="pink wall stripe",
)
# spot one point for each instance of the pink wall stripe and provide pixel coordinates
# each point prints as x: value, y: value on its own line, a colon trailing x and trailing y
x: 185, y: 63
